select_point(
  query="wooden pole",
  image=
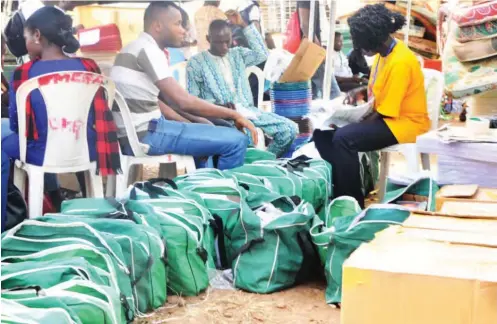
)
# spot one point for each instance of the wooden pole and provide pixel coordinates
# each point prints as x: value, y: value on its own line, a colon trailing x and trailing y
x: 328, y: 71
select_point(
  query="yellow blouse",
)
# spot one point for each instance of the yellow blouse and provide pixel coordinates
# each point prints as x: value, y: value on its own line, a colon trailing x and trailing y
x: 400, y: 93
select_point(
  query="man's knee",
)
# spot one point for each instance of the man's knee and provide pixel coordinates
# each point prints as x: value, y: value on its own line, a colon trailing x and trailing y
x: 239, y: 140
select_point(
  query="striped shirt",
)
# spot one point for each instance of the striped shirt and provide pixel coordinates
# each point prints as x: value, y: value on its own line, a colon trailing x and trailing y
x: 137, y: 68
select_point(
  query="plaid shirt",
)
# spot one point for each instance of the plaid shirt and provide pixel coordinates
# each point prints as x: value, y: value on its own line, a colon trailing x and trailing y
x: 107, y: 145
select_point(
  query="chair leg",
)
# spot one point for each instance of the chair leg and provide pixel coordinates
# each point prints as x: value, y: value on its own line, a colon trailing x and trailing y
x: 94, y: 184
x: 35, y: 194
x: 110, y: 187
x: 384, y: 166
x: 412, y: 159
x: 20, y: 180
x: 425, y: 161
x: 189, y: 163
x: 122, y: 179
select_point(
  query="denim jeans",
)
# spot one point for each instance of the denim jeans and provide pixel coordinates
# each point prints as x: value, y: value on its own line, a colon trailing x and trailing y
x: 198, y: 140
x: 51, y: 182
x: 341, y: 147
x: 317, y: 84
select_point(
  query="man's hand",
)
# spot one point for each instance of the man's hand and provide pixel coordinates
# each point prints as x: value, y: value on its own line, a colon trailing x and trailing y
x: 241, y: 123
x: 235, y: 18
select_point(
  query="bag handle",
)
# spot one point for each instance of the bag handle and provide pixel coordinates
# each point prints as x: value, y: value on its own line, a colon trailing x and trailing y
x: 247, y: 246
x: 298, y: 164
x: 119, y: 207
x: 153, y: 190
x: 165, y: 180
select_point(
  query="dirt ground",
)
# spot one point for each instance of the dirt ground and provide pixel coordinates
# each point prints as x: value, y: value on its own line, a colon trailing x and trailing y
x: 301, y: 304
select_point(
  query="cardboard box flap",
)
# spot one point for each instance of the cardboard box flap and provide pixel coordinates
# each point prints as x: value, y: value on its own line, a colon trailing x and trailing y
x: 458, y: 191
x: 305, y: 63
x: 469, y: 209
x: 451, y: 223
x: 464, y: 238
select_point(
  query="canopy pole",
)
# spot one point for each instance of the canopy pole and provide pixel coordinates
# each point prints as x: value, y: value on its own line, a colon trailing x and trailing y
x: 408, y: 23
x: 312, y: 13
x: 328, y: 72
x: 282, y: 15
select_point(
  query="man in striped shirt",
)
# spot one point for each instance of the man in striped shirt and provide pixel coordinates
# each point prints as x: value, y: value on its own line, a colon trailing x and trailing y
x: 142, y: 76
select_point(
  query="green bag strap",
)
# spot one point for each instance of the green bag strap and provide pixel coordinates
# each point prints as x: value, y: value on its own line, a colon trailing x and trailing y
x: 150, y: 262
x: 122, y: 211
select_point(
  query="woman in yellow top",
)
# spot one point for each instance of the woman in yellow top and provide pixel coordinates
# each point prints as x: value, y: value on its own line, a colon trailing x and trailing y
x: 397, y: 84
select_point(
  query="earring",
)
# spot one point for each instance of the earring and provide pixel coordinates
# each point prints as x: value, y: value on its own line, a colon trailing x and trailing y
x: 37, y: 42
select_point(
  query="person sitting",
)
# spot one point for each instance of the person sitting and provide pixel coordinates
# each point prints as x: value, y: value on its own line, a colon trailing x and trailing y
x: 358, y: 63
x: 400, y: 108
x: 218, y: 75
x: 343, y: 73
x: 49, y: 36
x: 142, y: 75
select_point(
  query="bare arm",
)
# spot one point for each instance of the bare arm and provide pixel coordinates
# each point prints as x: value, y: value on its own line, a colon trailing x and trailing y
x: 195, y: 106
x: 170, y: 114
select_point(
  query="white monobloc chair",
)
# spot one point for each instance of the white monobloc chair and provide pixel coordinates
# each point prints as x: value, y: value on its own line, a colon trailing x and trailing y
x: 68, y: 97
x: 434, y: 86
x: 117, y: 185
x: 180, y: 68
x: 260, y: 78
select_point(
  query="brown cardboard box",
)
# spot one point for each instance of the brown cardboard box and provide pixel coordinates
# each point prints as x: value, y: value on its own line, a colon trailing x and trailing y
x: 409, y: 276
x: 465, y: 194
x: 305, y: 63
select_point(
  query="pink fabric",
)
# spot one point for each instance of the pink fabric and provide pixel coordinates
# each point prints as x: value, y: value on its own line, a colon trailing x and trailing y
x: 474, y: 15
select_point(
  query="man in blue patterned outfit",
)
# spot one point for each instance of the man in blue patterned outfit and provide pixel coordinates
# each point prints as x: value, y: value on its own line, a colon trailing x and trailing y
x: 218, y: 75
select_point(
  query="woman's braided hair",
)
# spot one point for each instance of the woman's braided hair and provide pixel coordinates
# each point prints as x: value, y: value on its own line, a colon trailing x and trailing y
x: 371, y: 26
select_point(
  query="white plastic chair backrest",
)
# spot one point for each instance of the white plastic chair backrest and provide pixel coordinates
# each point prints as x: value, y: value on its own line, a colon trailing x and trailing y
x: 181, y: 69
x: 260, y: 78
x: 128, y: 125
x: 434, y: 86
x: 68, y: 97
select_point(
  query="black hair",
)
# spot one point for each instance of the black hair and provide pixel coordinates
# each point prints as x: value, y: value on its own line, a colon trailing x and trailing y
x: 338, y: 34
x: 218, y: 25
x: 55, y: 26
x: 153, y: 8
x: 371, y: 26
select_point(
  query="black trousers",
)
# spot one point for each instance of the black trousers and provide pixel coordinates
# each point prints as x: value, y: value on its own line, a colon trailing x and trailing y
x: 341, y: 147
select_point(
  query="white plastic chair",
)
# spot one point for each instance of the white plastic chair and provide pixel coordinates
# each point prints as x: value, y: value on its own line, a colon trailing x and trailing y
x: 181, y: 69
x: 117, y: 185
x: 68, y: 97
x: 434, y: 86
x: 260, y: 80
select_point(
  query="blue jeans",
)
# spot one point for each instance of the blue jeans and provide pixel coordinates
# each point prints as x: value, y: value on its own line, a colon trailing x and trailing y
x: 51, y: 182
x: 198, y: 140
x: 5, y: 182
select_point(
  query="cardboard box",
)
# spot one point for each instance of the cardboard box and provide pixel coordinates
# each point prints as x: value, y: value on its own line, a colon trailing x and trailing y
x: 433, y: 270
x: 465, y: 193
x: 305, y: 63
x: 409, y: 276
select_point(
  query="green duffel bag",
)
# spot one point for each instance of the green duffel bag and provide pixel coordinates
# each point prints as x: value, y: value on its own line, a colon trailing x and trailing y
x: 13, y: 312
x: 190, y: 209
x: 143, y: 250
x: 274, y: 177
x: 346, y: 234
x: 226, y: 201
x: 91, y: 303
x: 46, y: 274
x: 255, y: 155
x: 322, y: 231
x: 267, y: 255
x: 316, y: 178
x: 422, y: 190
x: 187, y: 257
x: 33, y: 236
x: 157, y: 188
